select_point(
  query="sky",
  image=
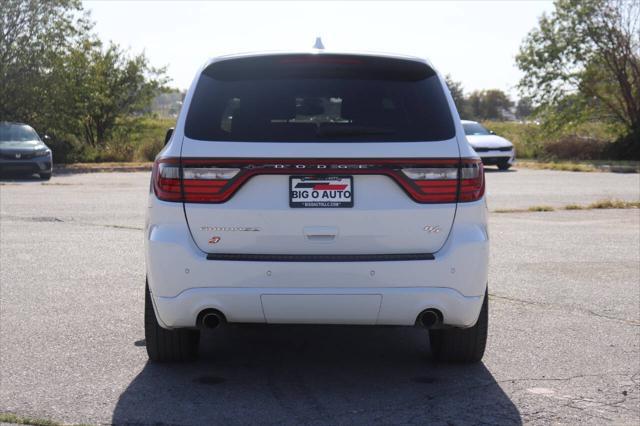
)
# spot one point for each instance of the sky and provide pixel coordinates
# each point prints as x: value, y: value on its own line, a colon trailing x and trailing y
x: 474, y: 41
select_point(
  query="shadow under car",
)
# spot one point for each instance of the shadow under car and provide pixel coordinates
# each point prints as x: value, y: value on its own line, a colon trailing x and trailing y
x: 290, y: 374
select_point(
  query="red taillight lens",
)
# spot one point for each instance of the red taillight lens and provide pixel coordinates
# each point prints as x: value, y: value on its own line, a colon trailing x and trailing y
x: 461, y: 181
x: 471, y: 181
x: 192, y: 183
x: 166, y: 180
x: 204, y: 184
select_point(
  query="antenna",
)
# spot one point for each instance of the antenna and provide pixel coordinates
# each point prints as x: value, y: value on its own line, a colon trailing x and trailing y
x: 318, y: 44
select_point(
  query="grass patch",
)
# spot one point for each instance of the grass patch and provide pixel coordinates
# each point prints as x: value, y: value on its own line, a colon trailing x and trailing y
x: 614, y: 204
x: 583, y: 166
x: 133, y: 166
x: 530, y: 209
x: 106, y: 164
x: 564, y: 166
x: 600, y: 204
x: 574, y: 207
x: 509, y: 210
x: 540, y: 209
x: 19, y: 420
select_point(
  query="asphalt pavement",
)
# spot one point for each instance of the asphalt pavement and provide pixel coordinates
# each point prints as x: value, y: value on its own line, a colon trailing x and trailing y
x: 564, y: 340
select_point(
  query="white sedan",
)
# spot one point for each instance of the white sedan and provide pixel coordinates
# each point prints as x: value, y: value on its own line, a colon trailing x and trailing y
x: 493, y: 149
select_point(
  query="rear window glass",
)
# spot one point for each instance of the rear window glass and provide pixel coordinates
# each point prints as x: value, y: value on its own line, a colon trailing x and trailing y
x: 319, y: 98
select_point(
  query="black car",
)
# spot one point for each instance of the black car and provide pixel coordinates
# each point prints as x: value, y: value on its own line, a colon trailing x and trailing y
x: 22, y: 151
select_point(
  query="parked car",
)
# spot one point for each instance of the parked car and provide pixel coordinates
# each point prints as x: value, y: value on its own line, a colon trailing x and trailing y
x: 22, y: 151
x: 493, y: 149
x: 317, y: 188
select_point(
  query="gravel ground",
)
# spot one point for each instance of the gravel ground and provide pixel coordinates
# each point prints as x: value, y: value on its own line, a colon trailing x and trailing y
x: 564, y: 344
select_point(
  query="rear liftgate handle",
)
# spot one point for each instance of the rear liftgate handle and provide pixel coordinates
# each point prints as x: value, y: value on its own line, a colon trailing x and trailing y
x: 320, y: 233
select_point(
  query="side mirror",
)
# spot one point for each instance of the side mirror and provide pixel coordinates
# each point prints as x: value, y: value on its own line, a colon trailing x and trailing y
x: 46, y: 138
x: 492, y: 132
x: 167, y: 137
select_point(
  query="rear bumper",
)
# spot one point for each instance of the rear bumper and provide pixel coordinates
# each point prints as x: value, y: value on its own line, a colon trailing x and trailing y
x: 183, y: 282
x: 367, y: 306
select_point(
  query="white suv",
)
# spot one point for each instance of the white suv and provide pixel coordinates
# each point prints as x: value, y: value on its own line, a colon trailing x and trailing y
x: 317, y: 188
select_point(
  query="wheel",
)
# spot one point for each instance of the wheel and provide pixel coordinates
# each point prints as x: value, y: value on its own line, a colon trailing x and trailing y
x: 503, y: 165
x: 167, y: 345
x: 45, y: 176
x: 463, y: 345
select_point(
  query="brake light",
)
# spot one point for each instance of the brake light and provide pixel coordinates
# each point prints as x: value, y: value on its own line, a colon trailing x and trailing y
x: 194, y: 180
x: 166, y: 180
x: 198, y: 184
x: 471, y: 181
x: 207, y: 184
x: 460, y: 180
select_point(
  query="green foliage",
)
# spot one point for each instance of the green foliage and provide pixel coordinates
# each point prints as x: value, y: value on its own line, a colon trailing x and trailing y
x: 457, y: 93
x: 491, y: 104
x: 109, y: 86
x: 582, y: 63
x: 19, y: 420
x: 524, y: 108
x: 33, y: 36
x: 58, y: 77
x: 578, y: 141
x: 133, y: 139
x: 527, y: 138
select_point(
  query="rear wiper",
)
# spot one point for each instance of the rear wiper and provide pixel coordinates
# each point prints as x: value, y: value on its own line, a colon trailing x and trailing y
x: 339, y: 131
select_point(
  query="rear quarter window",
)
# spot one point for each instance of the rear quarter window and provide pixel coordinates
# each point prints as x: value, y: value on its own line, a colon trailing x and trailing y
x: 319, y: 98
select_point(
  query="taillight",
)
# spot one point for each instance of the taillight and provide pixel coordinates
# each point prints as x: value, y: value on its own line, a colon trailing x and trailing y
x: 207, y: 184
x: 194, y: 180
x: 460, y: 181
x: 191, y: 183
x: 166, y: 180
x: 471, y: 181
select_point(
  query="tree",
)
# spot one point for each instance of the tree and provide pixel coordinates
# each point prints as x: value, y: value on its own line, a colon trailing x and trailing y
x: 56, y: 75
x: 111, y: 85
x: 491, y: 104
x: 33, y: 36
x: 584, y: 60
x: 457, y: 93
x: 524, y: 108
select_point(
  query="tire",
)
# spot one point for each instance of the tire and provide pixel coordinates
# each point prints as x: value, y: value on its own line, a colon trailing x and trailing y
x: 45, y: 176
x: 462, y: 345
x: 503, y: 165
x: 167, y: 345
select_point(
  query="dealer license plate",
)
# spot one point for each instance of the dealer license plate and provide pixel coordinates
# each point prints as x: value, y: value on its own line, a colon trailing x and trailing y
x: 320, y: 191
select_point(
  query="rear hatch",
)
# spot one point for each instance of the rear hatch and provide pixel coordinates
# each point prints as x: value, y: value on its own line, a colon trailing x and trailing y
x: 327, y: 155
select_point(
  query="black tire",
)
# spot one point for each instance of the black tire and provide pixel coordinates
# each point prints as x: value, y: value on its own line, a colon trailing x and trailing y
x: 167, y: 345
x: 503, y: 165
x: 462, y: 345
x: 45, y: 176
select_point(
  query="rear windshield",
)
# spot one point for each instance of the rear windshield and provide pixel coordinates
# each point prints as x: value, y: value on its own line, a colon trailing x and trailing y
x: 319, y: 98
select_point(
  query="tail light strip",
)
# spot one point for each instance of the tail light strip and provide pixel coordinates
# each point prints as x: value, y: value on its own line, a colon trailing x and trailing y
x: 197, y: 180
